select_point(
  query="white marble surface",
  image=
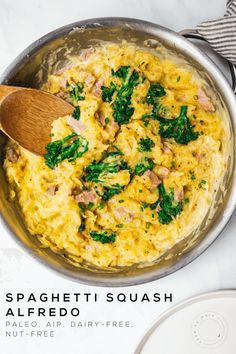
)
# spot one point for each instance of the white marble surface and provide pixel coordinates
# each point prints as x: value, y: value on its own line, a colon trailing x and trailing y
x: 21, y: 22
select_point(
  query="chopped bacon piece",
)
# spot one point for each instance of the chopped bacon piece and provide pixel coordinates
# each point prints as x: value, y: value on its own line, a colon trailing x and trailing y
x: 205, y: 101
x: 77, y: 125
x: 85, y: 197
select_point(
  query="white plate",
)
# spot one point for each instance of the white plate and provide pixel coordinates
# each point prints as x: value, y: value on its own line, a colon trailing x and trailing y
x: 205, y: 324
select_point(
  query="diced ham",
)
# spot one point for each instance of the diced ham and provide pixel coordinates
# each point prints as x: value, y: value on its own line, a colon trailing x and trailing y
x: 76, y: 125
x: 89, y: 80
x: 153, y: 177
x: 205, y: 101
x: 52, y: 190
x: 122, y: 213
x: 12, y: 155
x: 100, y: 117
x: 86, y: 54
x: 166, y: 149
x: 66, y: 67
x: 113, y: 124
x: 199, y: 155
x: 96, y: 90
x: 158, y: 208
x: 178, y: 194
x: 60, y: 94
x: 63, y: 81
x: 163, y: 172
x: 85, y: 197
x: 183, y: 98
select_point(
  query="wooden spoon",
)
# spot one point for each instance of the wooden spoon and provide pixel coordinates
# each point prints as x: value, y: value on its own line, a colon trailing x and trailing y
x: 26, y: 116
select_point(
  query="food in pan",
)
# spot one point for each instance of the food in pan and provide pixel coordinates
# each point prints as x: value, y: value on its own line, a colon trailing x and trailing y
x: 136, y: 167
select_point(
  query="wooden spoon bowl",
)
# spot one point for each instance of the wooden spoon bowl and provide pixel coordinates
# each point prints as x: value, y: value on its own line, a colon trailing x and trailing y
x: 26, y: 116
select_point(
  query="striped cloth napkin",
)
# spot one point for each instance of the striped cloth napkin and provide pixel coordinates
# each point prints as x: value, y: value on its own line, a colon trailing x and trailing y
x: 221, y: 33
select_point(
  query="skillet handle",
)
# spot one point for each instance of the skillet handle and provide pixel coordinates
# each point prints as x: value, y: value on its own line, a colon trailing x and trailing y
x: 192, y: 33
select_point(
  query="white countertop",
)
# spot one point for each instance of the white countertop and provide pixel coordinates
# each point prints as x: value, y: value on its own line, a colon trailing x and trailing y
x: 22, y: 22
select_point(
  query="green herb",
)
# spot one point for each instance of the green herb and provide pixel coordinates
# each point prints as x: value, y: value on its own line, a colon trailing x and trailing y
x: 51, y: 134
x: 144, y: 206
x: 82, y: 225
x: 90, y: 205
x: 192, y: 175
x: 146, y: 144
x: 122, y: 109
x: 178, y: 78
x: 172, y: 165
x: 121, y: 201
x: 82, y: 207
x: 119, y: 226
x: 109, y: 192
x: 145, y: 121
x: 169, y: 208
x: 140, y: 190
x: 103, y: 237
x: 76, y: 90
x: 179, y: 128
x: 106, y: 120
x: 100, y: 206
x: 107, y: 92
x: 202, y: 183
x: 76, y: 113
x: 122, y: 72
x: 67, y: 148
x: 118, y: 150
x: 142, y: 167
x: 148, y: 224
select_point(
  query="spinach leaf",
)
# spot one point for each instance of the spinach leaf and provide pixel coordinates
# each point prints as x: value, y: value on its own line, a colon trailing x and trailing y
x: 169, y: 208
x: 146, y: 164
x: 122, y: 72
x: 179, y: 128
x: 154, y: 92
x: 107, y: 92
x: 76, y: 90
x: 109, y: 192
x: 122, y: 109
x: 68, y: 148
x: 146, y: 144
x: 103, y: 237
x: 76, y: 113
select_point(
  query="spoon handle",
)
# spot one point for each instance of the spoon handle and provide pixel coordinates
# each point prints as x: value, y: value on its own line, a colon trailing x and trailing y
x: 6, y: 90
